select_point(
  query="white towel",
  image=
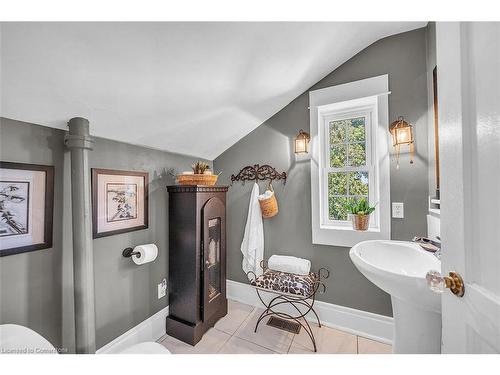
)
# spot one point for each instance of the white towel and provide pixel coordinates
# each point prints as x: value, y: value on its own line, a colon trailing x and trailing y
x: 268, y: 194
x: 289, y: 264
x: 252, y: 245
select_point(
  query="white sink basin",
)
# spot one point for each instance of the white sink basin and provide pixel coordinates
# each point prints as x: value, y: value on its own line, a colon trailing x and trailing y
x: 399, y: 268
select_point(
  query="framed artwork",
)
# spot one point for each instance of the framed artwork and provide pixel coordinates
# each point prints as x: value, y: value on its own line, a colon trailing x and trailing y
x: 26, y: 207
x: 119, y: 201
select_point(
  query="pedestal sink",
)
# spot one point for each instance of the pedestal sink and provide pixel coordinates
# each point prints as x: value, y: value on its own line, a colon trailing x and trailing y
x: 399, y: 268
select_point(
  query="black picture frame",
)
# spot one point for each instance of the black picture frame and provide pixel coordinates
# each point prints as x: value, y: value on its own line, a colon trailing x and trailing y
x: 96, y: 172
x: 48, y: 207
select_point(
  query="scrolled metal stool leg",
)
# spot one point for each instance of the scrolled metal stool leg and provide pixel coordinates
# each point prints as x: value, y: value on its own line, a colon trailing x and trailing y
x: 317, y: 318
x: 269, y: 307
x: 314, y: 311
x: 292, y: 301
x: 262, y: 316
x: 311, y: 335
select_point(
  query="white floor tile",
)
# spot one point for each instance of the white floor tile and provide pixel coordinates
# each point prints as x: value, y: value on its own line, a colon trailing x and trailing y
x: 237, y: 313
x: 266, y: 336
x: 235, y: 345
x: 367, y: 346
x: 211, y: 343
x: 328, y: 341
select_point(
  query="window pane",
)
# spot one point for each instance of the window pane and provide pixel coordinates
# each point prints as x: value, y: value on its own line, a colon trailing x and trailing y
x: 338, y: 131
x: 357, y: 154
x: 338, y: 156
x: 358, y: 183
x: 336, y: 208
x: 356, y: 129
x: 337, y: 183
x: 347, y: 149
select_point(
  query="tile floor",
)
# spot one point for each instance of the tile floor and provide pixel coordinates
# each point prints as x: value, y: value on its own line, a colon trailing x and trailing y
x: 234, y: 334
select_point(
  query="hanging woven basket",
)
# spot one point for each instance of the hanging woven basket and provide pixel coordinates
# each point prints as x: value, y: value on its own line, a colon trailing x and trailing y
x: 269, y: 206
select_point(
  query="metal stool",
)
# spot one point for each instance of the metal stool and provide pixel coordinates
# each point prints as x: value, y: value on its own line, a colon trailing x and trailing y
x: 295, y: 300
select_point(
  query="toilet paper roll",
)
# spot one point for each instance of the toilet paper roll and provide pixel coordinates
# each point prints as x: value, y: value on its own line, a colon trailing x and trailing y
x: 148, y: 253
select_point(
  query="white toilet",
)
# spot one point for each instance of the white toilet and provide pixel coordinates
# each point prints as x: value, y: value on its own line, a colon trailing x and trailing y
x: 16, y: 339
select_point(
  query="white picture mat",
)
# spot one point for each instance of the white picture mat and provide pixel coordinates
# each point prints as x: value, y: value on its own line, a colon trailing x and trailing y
x: 102, y: 181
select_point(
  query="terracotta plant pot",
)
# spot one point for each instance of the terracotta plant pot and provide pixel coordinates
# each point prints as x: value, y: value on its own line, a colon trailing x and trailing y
x: 360, y: 222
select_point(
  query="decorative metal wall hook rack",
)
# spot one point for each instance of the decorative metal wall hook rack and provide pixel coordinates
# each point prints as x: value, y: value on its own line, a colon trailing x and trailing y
x: 258, y: 173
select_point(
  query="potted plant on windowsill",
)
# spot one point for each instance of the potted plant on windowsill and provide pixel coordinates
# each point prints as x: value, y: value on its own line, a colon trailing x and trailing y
x: 360, y: 211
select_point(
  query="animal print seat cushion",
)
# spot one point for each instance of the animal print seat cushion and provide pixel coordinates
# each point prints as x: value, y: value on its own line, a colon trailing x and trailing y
x: 286, y: 282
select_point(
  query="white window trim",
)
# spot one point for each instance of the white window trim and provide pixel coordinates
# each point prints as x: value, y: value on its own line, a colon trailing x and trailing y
x: 368, y: 95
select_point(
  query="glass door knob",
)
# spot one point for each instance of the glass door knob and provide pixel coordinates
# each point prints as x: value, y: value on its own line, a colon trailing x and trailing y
x: 438, y: 283
x: 435, y: 281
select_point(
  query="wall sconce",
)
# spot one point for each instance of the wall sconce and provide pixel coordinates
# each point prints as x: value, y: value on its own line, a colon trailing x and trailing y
x: 402, y: 134
x: 301, y: 142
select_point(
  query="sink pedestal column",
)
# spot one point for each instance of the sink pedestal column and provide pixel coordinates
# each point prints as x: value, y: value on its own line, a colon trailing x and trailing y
x: 416, y: 331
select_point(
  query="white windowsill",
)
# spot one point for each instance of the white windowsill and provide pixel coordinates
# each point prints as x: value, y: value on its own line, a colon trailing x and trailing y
x: 346, y: 228
x: 347, y: 238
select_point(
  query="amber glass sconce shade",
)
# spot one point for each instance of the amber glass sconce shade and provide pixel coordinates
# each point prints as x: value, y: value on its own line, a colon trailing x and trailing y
x: 402, y: 134
x: 302, y: 142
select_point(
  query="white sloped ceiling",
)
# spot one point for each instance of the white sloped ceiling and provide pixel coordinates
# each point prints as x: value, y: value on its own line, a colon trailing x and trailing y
x: 192, y: 88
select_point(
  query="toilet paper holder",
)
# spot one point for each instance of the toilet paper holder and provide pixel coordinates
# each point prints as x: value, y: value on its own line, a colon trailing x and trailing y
x: 129, y: 252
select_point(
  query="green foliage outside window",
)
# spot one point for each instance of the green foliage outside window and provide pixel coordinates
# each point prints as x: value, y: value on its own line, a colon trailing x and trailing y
x: 338, y: 156
x: 337, y: 207
x: 343, y: 186
x: 347, y: 149
x: 357, y: 155
x: 347, y: 143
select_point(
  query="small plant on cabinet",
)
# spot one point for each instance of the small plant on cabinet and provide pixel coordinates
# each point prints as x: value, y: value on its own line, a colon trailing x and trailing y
x: 200, y: 167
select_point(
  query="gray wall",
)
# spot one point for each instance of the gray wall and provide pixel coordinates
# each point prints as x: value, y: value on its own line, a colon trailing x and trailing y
x: 403, y: 57
x: 31, y: 283
x: 37, y: 287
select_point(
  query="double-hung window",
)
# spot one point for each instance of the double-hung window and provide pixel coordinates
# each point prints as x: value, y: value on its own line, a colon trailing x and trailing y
x: 350, y: 160
x: 348, y: 166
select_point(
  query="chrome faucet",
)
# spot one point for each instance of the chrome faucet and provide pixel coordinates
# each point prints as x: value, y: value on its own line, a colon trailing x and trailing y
x: 429, y: 245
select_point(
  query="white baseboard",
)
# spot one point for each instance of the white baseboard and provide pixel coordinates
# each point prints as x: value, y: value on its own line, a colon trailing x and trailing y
x: 358, y: 322
x: 150, y: 329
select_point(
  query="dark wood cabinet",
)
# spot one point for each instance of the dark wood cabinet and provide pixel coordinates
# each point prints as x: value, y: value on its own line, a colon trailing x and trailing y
x: 197, y: 260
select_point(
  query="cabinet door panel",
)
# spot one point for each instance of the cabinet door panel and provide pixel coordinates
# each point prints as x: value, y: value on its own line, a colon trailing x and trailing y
x: 214, y: 242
